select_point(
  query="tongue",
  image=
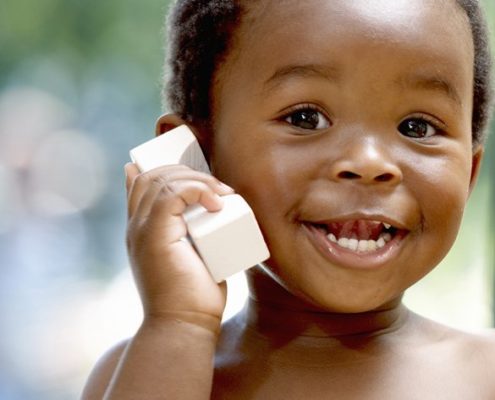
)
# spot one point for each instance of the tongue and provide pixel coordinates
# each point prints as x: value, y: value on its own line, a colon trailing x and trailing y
x: 358, y: 229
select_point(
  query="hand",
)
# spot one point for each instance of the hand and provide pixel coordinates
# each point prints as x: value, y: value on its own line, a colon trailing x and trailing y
x: 172, y: 280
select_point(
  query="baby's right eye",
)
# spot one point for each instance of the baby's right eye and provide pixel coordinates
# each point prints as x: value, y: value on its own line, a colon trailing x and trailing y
x: 307, y: 118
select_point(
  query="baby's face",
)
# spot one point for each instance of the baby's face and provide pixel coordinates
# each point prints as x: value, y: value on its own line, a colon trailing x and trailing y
x: 336, y: 119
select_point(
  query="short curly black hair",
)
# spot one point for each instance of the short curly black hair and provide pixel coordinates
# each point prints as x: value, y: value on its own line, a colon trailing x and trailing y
x: 200, y: 35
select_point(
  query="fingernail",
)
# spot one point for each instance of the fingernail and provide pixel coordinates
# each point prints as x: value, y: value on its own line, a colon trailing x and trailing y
x: 226, y: 187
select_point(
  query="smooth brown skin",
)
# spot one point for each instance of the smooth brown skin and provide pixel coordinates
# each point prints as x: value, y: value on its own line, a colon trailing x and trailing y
x: 311, y: 328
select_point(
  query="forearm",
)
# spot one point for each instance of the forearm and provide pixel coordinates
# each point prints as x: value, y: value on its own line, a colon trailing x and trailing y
x: 167, y: 359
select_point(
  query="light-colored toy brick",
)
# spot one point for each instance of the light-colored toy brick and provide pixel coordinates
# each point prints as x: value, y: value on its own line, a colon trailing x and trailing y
x: 228, y: 241
x: 178, y: 146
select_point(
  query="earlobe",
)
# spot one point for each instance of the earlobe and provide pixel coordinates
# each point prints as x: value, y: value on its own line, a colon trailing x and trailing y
x: 475, y: 166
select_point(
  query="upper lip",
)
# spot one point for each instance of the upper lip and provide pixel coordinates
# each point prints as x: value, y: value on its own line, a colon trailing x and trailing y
x: 385, y: 219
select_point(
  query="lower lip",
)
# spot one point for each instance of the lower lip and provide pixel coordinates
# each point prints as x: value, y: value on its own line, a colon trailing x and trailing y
x: 347, y: 258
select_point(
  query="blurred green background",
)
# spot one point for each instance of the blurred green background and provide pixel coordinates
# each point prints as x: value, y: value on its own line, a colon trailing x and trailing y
x: 79, y: 86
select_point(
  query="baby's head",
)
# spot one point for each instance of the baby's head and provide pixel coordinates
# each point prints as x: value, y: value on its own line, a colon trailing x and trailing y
x: 354, y: 129
x: 201, y: 35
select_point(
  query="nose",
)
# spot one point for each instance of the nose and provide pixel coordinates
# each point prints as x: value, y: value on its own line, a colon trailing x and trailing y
x: 366, y: 163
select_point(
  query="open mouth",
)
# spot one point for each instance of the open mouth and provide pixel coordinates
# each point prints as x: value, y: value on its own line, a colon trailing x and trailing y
x: 360, y: 235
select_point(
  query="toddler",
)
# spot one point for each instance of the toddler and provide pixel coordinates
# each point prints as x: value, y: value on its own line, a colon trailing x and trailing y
x: 355, y: 131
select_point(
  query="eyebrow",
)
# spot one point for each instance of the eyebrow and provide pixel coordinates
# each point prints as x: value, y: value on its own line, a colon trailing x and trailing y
x: 433, y: 83
x: 300, y: 71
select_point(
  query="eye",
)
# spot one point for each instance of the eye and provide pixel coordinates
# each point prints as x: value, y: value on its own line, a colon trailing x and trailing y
x: 307, y: 118
x: 417, y: 128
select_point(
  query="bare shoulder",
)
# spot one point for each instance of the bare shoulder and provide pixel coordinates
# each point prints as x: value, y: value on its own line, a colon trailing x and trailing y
x: 102, y: 372
x: 475, y: 358
x: 480, y: 342
x: 467, y: 353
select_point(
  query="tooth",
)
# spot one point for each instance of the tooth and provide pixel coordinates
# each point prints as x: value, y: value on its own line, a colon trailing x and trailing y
x: 363, y: 245
x: 332, y: 238
x: 372, y: 245
x: 386, y: 236
x: 353, y: 244
x: 387, y: 226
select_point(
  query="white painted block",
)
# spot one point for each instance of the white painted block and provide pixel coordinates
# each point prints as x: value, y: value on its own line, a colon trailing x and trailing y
x: 229, y: 240
x: 178, y: 146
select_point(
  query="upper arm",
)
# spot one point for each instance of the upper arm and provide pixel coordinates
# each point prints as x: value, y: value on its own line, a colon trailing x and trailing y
x: 102, y: 373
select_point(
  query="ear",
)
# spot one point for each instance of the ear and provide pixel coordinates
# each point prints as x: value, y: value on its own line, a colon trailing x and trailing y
x: 167, y: 122
x: 476, y: 166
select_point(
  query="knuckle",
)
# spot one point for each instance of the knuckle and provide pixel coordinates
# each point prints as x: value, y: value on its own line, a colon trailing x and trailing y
x: 141, y: 178
x: 211, y: 180
x: 150, y: 178
x: 168, y: 190
x: 157, y: 180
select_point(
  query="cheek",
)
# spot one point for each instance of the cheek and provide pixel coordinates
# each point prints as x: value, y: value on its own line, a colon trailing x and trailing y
x: 266, y: 174
x: 441, y: 192
x: 272, y: 180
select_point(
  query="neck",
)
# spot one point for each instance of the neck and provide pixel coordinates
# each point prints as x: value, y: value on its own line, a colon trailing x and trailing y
x: 271, y: 307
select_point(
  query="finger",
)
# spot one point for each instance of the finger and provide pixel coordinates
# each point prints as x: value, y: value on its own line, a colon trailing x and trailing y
x: 182, y: 172
x: 165, y: 215
x: 188, y: 193
x: 131, y: 171
x: 146, y: 186
x: 195, y: 192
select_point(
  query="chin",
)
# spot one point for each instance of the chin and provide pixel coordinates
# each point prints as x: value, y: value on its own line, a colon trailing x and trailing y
x: 350, y: 304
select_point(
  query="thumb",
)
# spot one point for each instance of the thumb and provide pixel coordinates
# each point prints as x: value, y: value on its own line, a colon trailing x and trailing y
x: 131, y: 171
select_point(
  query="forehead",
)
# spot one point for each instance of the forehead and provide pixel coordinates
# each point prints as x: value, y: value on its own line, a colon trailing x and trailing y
x: 352, y: 37
x: 377, y: 20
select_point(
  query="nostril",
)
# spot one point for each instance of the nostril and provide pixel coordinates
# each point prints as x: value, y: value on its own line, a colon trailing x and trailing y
x: 348, y: 175
x: 384, y: 177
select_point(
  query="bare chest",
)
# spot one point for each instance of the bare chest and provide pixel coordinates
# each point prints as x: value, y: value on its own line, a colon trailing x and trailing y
x: 390, y: 378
